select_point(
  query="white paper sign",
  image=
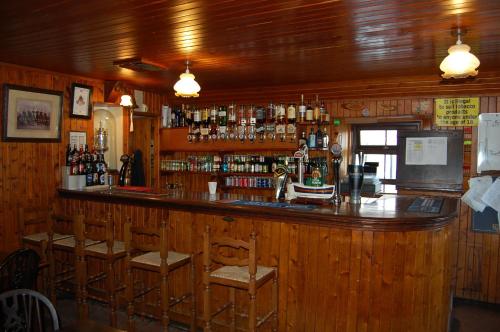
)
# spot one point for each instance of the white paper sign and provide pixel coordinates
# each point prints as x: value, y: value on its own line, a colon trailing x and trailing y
x: 492, y: 196
x: 426, y: 150
x: 477, y: 187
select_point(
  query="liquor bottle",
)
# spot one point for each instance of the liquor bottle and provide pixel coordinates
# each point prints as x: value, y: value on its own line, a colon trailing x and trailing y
x: 325, y: 117
x: 281, y: 122
x: 95, y: 174
x: 231, y: 121
x: 74, y: 162
x: 319, y: 138
x: 271, y: 119
x: 311, y: 140
x: 309, y: 112
x: 242, y: 122
x: 205, y: 123
x: 222, y: 123
x: 302, y: 139
x: 68, y: 155
x: 252, y: 122
x: 182, y: 118
x: 88, y: 167
x: 197, y: 124
x: 316, y: 111
x: 291, y: 114
x: 81, y: 164
x: 189, y: 123
x: 326, y: 139
x: 260, y: 116
x: 213, y: 123
x: 302, y: 110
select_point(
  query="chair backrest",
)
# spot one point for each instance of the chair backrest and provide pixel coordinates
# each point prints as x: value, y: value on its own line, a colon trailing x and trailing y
x: 19, y: 270
x: 97, y: 229
x: 32, y: 217
x: 213, y: 251
x: 144, y: 239
x: 27, y: 310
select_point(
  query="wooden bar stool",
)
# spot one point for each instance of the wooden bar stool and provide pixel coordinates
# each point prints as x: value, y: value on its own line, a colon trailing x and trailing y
x: 152, y: 254
x: 62, y: 253
x: 105, y: 249
x: 37, y: 228
x: 236, y: 273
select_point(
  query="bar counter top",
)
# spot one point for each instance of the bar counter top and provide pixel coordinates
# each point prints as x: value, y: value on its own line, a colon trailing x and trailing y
x: 386, y: 213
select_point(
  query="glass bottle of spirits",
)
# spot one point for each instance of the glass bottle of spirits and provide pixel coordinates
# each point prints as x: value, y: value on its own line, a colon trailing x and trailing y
x: 311, y: 139
x: 326, y: 138
x: 281, y: 121
x: 303, y: 139
x: 316, y: 110
x: 260, y: 116
x: 222, y: 123
x: 302, y: 110
x: 213, y: 123
x: 271, y: 121
x: 252, y: 122
x: 231, y: 121
x: 309, y: 112
x: 205, y: 123
x: 242, y: 123
x: 319, y: 138
x: 291, y: 115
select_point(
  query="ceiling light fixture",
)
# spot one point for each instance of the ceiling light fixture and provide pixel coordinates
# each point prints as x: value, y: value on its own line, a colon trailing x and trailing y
x: 127, y: 103
x: 459, y: 63
x: 186, y: 86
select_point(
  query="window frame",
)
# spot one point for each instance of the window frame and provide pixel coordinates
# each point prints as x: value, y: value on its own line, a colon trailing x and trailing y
x: 380, y: 149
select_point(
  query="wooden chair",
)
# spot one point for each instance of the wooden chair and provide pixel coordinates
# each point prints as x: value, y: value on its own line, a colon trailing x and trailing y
x: 27, y: 310
x: 152, y: 254
x: 19, y: 270
x: 37, y: 228
x: 236, y: 273
x: 106, y: 249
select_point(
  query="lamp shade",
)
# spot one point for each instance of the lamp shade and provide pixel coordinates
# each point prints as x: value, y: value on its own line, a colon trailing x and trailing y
x: 186, y: 86
x: 126, y: 101
x: 459, y: 63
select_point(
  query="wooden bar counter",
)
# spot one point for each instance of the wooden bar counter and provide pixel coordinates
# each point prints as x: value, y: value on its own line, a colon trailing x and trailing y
x: 371, y: 267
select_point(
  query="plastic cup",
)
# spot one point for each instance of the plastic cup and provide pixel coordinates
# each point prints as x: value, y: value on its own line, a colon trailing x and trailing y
x: 212, y: 188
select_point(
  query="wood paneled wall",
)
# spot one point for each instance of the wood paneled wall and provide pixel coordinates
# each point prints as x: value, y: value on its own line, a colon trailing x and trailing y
x: 31, y: 172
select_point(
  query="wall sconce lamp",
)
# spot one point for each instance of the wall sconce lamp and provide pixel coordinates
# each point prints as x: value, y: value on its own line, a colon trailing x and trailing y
x: 459, y: 63
x: 127, y: 103
x: 186, y: 86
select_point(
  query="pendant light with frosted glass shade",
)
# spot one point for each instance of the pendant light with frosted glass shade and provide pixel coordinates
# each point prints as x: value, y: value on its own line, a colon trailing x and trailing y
x: 186, y: 86
x: 459, y: 63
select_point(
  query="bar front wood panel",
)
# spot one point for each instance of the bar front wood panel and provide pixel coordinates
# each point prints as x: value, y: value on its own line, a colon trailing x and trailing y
x: 329, y: 278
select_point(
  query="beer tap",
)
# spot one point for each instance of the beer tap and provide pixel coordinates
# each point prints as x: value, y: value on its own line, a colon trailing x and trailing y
x: 336, y: 150
x: 303, y: 156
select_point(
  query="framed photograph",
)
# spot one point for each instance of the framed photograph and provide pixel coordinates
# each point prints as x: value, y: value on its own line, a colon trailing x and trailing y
x: 31, y: 114
x: 81, y: 96
x: 77, y: 138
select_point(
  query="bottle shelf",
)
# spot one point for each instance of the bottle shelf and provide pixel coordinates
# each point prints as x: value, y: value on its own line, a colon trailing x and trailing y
x: 239, y: 187
x: 221, y: 174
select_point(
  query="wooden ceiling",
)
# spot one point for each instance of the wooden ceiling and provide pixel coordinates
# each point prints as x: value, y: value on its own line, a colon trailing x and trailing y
x: 246, y: 43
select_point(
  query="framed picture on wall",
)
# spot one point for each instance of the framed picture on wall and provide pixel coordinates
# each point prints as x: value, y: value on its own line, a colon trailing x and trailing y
x: 31, y: 114
x: 81, y: 97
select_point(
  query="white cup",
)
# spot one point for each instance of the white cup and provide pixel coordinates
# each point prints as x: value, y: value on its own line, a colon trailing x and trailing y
x: 212, y: 188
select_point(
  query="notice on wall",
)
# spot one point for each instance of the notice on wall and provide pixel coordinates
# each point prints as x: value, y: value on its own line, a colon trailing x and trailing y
x: 451, y: 112
x: 426, y: 150
x: 488, y: 142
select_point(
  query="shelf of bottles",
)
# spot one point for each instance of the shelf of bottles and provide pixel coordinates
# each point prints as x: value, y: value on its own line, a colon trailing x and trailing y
x: 242, y: 171
x: 249, y: 123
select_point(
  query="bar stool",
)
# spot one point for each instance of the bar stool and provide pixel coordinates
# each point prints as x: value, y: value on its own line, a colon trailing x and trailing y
x: 236, y: 273
x: 62, y: 253
x: 106, y: 249
x: 37, y: 228
x: 152, y: 254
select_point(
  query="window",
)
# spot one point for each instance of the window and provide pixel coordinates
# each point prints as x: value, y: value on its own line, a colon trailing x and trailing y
x: 379, y: 144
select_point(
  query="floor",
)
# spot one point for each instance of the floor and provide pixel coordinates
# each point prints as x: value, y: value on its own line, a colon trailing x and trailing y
x: 469, y: 317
